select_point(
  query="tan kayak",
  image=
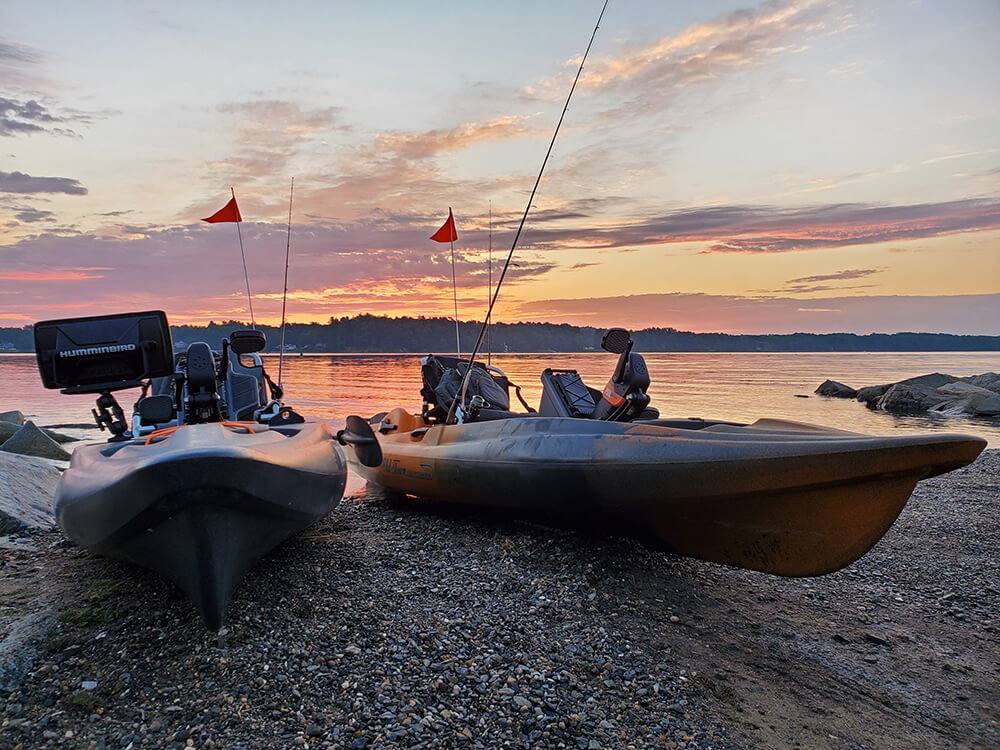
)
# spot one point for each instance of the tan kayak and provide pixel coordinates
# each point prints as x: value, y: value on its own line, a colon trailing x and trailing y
x: 780, y: 497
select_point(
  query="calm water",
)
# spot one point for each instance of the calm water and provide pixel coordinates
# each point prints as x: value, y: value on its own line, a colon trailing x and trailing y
x: 735, y: 386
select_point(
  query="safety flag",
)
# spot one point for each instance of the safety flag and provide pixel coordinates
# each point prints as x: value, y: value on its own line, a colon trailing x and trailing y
x: 447, y: 233
x: 229, y: 212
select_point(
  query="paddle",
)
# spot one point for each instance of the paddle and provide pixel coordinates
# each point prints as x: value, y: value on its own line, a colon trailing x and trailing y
x: 359, y: 434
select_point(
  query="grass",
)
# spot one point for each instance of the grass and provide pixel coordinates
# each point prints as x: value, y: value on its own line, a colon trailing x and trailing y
x: 86, y: 616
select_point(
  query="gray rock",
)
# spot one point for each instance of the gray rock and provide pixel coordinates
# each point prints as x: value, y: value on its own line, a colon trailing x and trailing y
x: 27, y: 488
x: 14, y: 417
x: 7, y: 430
x: 31, y: 441
x: 959, y: 388
x: 988, y: 380
x: 836, y: 390
x: 909, y: 398
x: 58, y: 436
x: 19, y: 649
x: 873, y: 393
x: 988, y: 407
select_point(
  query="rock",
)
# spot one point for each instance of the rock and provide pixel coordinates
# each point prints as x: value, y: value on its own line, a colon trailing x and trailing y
x: 909, y: 398
x: 19, y: 649
x: 59, y: 437
x: 7, y: 430
x: 988, y: 380
x: 869, y: 395
x: 873, y: 393
x: 988, y: 407
x: 27, y: 488
x: 834, y: 389
x: 31, y: 441
x: 958, y: 388
x: 14, y: 417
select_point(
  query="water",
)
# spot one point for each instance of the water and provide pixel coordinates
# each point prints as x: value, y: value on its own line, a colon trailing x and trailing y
x: 740, y: 387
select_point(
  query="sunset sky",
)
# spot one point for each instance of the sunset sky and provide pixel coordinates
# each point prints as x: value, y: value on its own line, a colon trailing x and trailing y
x: 724, y: 166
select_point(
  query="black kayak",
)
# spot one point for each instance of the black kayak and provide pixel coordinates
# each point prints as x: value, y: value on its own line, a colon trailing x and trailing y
x: 201, y: 503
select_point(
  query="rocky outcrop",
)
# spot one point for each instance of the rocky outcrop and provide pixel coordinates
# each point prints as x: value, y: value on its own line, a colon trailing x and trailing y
x: 833, y: 389
x: 27, y: 489
x: 29, y: 440
x: 935, y: 393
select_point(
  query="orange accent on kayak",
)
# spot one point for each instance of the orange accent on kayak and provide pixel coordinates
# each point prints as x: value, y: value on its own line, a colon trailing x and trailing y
x: 611, y: 397
x: 166, y: 431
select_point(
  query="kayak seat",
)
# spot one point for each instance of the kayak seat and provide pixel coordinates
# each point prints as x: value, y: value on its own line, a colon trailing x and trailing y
x: 202, y: 399
x: 624, y: 397
x: 243, y: 396
x: 155, y: 410
x: 564, y: 394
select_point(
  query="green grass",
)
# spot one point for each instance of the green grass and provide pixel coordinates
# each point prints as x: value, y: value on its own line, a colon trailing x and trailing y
x: 86, y: 616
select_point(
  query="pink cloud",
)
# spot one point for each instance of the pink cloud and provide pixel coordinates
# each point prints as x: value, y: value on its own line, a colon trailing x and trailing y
x: 705, y: 313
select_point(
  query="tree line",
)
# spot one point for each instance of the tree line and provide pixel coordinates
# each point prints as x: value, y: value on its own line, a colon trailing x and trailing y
x: 419, y: 335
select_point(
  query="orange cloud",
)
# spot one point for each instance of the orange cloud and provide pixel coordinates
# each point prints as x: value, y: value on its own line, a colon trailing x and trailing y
x: 48, y: 275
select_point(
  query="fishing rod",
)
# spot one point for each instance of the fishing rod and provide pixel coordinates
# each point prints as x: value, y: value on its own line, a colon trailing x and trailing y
x: 489, y: 290
x: 503, y: 273
x: 284, y: 294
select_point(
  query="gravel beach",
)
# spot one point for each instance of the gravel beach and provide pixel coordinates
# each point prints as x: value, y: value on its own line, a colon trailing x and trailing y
x: 396, y: 624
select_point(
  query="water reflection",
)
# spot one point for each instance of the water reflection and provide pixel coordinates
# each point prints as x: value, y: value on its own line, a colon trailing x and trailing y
x: 734, y: 386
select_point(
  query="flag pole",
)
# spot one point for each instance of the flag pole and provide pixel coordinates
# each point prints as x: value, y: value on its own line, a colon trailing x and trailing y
x: 253, y: 321
x: 284, y: 294
x: 454, y: 294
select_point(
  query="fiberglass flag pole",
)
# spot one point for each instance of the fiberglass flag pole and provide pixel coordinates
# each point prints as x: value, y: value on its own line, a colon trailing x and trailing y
x: 284, y: 293
x: 448, y: 233
x: 230, y: 213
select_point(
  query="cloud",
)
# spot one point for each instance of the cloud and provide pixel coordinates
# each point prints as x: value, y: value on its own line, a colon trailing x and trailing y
x: 772, y: 229
x: 386, y: 264
x: 430, y: 143
x: 19, y: 182
x: 969, y: 313
x: 856, y: 273
x: 78, y: 275
x: 34, y: 215
x: 649, y: 77
x: 270, y: 133
x: 27, y: 117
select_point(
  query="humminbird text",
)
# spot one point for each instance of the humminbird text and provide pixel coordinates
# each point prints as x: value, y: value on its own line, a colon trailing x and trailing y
x: 98, y: 350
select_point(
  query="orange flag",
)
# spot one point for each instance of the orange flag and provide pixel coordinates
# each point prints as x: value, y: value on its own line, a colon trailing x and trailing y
x: 447, y: 233
x: 229, y: 212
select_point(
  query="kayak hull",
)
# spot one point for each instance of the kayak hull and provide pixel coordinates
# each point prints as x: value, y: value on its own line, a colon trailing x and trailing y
x: 202, y: 505
x: 780, y: 497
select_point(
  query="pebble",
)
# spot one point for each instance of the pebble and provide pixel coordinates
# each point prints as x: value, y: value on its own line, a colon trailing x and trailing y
x: 392, y: 626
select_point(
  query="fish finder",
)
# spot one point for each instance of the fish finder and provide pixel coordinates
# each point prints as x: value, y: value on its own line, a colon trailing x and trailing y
x: 102, y: 354
x: 105, y: 352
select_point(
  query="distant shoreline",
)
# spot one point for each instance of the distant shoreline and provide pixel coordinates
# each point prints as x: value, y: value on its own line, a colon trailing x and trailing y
x: 371, y: 334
